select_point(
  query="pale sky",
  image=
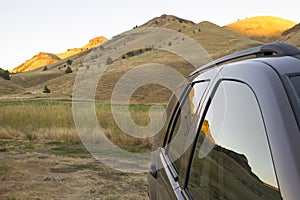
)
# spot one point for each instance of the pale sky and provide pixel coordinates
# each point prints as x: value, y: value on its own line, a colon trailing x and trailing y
x: 32, y: 26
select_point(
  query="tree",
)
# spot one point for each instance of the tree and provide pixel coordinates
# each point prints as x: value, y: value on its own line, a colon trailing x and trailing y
x: 45, y: 68
x: 68, y: 70
x: 4, y: 74
x: 69, y: 62
x: 46, y: 89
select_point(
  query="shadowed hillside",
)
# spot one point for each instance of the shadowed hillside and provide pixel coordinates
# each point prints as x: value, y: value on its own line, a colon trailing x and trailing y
x: 291, y: 36
x: 216, y: 40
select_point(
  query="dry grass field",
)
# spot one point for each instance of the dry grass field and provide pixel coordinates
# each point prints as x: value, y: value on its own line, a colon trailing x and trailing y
x: 60, y: 170
x: 42, y: 156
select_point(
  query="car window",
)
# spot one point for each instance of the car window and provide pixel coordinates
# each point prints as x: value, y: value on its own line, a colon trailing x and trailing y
x: 296, y: 84
x: 232, y: 159
x: 180, y: 139
x: 171, y: 108
x: 294, y: 89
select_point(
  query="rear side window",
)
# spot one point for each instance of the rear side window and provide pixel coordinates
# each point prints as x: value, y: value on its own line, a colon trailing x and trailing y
x: 296, y: 84
x: 232, y: 159
x: 293, y: 88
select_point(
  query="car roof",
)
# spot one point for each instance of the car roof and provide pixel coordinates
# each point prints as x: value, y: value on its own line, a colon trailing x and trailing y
x: 282, y: 57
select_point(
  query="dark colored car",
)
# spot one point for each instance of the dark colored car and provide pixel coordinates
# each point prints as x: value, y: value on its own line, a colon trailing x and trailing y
x: 233, y: 132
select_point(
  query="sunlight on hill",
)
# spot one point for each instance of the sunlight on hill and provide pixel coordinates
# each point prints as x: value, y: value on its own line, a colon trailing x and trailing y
x: 92, y: 43
x: 36, y: 61
x: 43, y: 59
x: 261, y: 26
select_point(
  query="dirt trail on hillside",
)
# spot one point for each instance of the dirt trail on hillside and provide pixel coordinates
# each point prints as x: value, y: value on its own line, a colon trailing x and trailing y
x: 48, y: 171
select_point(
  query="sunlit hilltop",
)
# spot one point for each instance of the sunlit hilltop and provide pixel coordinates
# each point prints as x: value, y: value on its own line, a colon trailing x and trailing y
x: 261, y: 26
x: 92, y: 43
x: 43, y: 59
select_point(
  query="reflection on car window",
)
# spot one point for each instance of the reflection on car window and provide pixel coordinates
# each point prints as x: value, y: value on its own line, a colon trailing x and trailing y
x: 232, y: 159
x: 183, y: 123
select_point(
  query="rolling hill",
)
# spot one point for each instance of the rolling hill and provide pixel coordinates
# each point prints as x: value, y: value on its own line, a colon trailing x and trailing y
x: 217, y: 41
x: 39, y: 60
x: 92, y: 43
x: 263, y: 28
x: 43, y: 59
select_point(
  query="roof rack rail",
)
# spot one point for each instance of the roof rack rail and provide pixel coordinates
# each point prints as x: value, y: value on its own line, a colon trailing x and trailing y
x: 280, y: 49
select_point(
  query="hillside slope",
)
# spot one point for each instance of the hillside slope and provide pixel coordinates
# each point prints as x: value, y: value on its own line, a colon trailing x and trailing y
x: 43, y: 59
x: 36, y: 61
x: 92, y: 43
x: 217, y: 41
x: 291, y: 36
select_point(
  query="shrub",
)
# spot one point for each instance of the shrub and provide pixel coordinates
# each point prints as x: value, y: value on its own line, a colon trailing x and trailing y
x: 69, y: 62
x: 45, y: 68
x: 109, y: 61
x: 46, y: 89
x: 101, y: 47
x: 130, y: 54
x: 170, y: 43
x: 4, y: 74
x: 68, y: 70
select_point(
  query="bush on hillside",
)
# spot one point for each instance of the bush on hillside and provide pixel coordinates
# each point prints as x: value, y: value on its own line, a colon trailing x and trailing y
x: 109, y: 61
x: 46, y: 89
x: 4, y: 74
x: 69, y: 62
x: 68, y: 70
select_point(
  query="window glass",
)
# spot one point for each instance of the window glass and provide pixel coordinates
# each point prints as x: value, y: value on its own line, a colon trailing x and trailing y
x: 293, y: 88
x: 181, y: 139
x: 296, y: 84
x: 172, y: 105
x: 232, y: 159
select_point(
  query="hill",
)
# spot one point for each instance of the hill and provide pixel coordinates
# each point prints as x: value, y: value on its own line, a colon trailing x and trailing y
x: 263, y: 28
x: 36, y: 61
x: 92, y: 43
x: 217, y: 41
x: 43, y: 59
x: 291, y: 36
x: 169, y: 22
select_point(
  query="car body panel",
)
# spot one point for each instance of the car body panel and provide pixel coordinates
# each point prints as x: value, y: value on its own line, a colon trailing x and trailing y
x: 266, y: 78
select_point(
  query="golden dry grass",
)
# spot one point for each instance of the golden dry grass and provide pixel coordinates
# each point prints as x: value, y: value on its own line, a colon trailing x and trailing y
x: 43, y: 59
x: 50, y: 120
x: 36, y: 61
x: 261, y: 26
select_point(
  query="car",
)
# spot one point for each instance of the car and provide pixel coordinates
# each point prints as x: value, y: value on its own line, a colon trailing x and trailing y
x: 232, y: 132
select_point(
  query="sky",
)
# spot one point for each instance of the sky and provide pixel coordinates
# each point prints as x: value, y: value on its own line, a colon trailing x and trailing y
x: 32, y: 26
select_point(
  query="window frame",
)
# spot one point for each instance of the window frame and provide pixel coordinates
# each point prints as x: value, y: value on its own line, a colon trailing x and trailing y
x: 206, y: 105
x: 173, y: 121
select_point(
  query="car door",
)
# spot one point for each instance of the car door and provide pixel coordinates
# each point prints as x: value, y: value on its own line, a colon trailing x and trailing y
x: 169, y: 161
